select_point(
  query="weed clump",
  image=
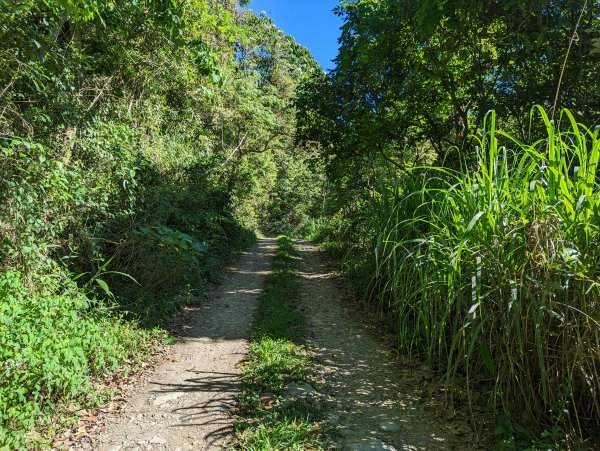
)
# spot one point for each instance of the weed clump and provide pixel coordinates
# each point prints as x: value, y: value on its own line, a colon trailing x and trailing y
x: 54, y: 345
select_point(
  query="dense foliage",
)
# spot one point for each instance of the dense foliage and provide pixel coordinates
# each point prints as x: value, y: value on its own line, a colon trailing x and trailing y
x: 482, y: 258
x: 492, y: 273
x: 141, y: 143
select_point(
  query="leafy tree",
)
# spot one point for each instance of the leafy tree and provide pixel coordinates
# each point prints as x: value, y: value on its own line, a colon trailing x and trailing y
x: 423, y: 74
x: 145, y: 138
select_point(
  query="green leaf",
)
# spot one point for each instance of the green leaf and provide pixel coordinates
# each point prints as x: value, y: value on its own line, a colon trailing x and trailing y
x: 487, y: 359
x: 104, y: 287
x: 474, y: 220
x: 124, y: 274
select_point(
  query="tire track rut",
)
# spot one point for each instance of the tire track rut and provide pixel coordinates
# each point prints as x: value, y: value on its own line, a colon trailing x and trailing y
x: 186, y: 402
x: 373, y: 400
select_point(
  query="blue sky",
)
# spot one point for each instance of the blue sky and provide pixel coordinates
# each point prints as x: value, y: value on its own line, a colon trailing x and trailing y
x: 311, y: 22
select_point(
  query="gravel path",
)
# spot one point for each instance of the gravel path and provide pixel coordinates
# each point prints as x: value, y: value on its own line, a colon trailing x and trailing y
x: 373, y: 399
x: 186, y: 402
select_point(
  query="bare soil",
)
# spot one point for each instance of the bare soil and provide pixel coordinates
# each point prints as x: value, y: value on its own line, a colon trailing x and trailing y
x: 377, y: 400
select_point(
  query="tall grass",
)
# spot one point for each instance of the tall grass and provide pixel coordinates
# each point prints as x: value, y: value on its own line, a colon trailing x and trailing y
x: 493, y: 272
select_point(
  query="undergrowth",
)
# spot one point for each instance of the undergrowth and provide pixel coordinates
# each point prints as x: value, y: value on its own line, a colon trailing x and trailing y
x: 88, y: 251
x: 269, y: 420
x: 140, y: 144
x: 55, y: 343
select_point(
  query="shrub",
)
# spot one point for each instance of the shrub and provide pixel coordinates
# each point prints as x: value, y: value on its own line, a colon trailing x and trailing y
x: 54, y: 344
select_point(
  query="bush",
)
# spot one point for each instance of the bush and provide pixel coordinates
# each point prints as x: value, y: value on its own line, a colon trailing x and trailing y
x: 136, y: 140
x: 54, y: 344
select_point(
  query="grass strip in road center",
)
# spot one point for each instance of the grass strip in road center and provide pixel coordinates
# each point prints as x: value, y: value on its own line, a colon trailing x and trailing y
x: 270, y: 419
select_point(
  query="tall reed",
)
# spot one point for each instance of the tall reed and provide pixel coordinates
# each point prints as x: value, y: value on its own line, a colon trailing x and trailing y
x: 493, y: 272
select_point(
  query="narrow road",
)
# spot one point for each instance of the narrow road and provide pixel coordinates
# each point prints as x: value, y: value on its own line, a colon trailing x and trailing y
x: 186, y: 402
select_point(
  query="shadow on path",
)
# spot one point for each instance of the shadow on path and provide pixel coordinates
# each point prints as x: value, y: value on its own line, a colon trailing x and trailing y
x: 375, y: 401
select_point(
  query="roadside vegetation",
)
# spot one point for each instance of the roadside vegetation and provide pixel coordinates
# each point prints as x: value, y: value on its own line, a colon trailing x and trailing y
x: 56, y: 342
x: 449, y: 162
x: 492, y: 274
x: 141, y: 145
x: 473, y: 234
x: 270, y: 418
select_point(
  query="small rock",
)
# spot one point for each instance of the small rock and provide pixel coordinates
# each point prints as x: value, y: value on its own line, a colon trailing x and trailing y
x: 300, y: 390
x: 156, y: 440
x: 166, y: 398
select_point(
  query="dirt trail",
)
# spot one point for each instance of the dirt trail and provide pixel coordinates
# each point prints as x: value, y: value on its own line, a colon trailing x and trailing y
x: 186, y: 403
x: 374, y: 401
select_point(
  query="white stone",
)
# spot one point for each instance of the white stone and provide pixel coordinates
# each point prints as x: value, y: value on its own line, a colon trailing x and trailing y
x: 390, y: 426
x: 300, y: 390
x: 156, y: 440
x: 167, y: 398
